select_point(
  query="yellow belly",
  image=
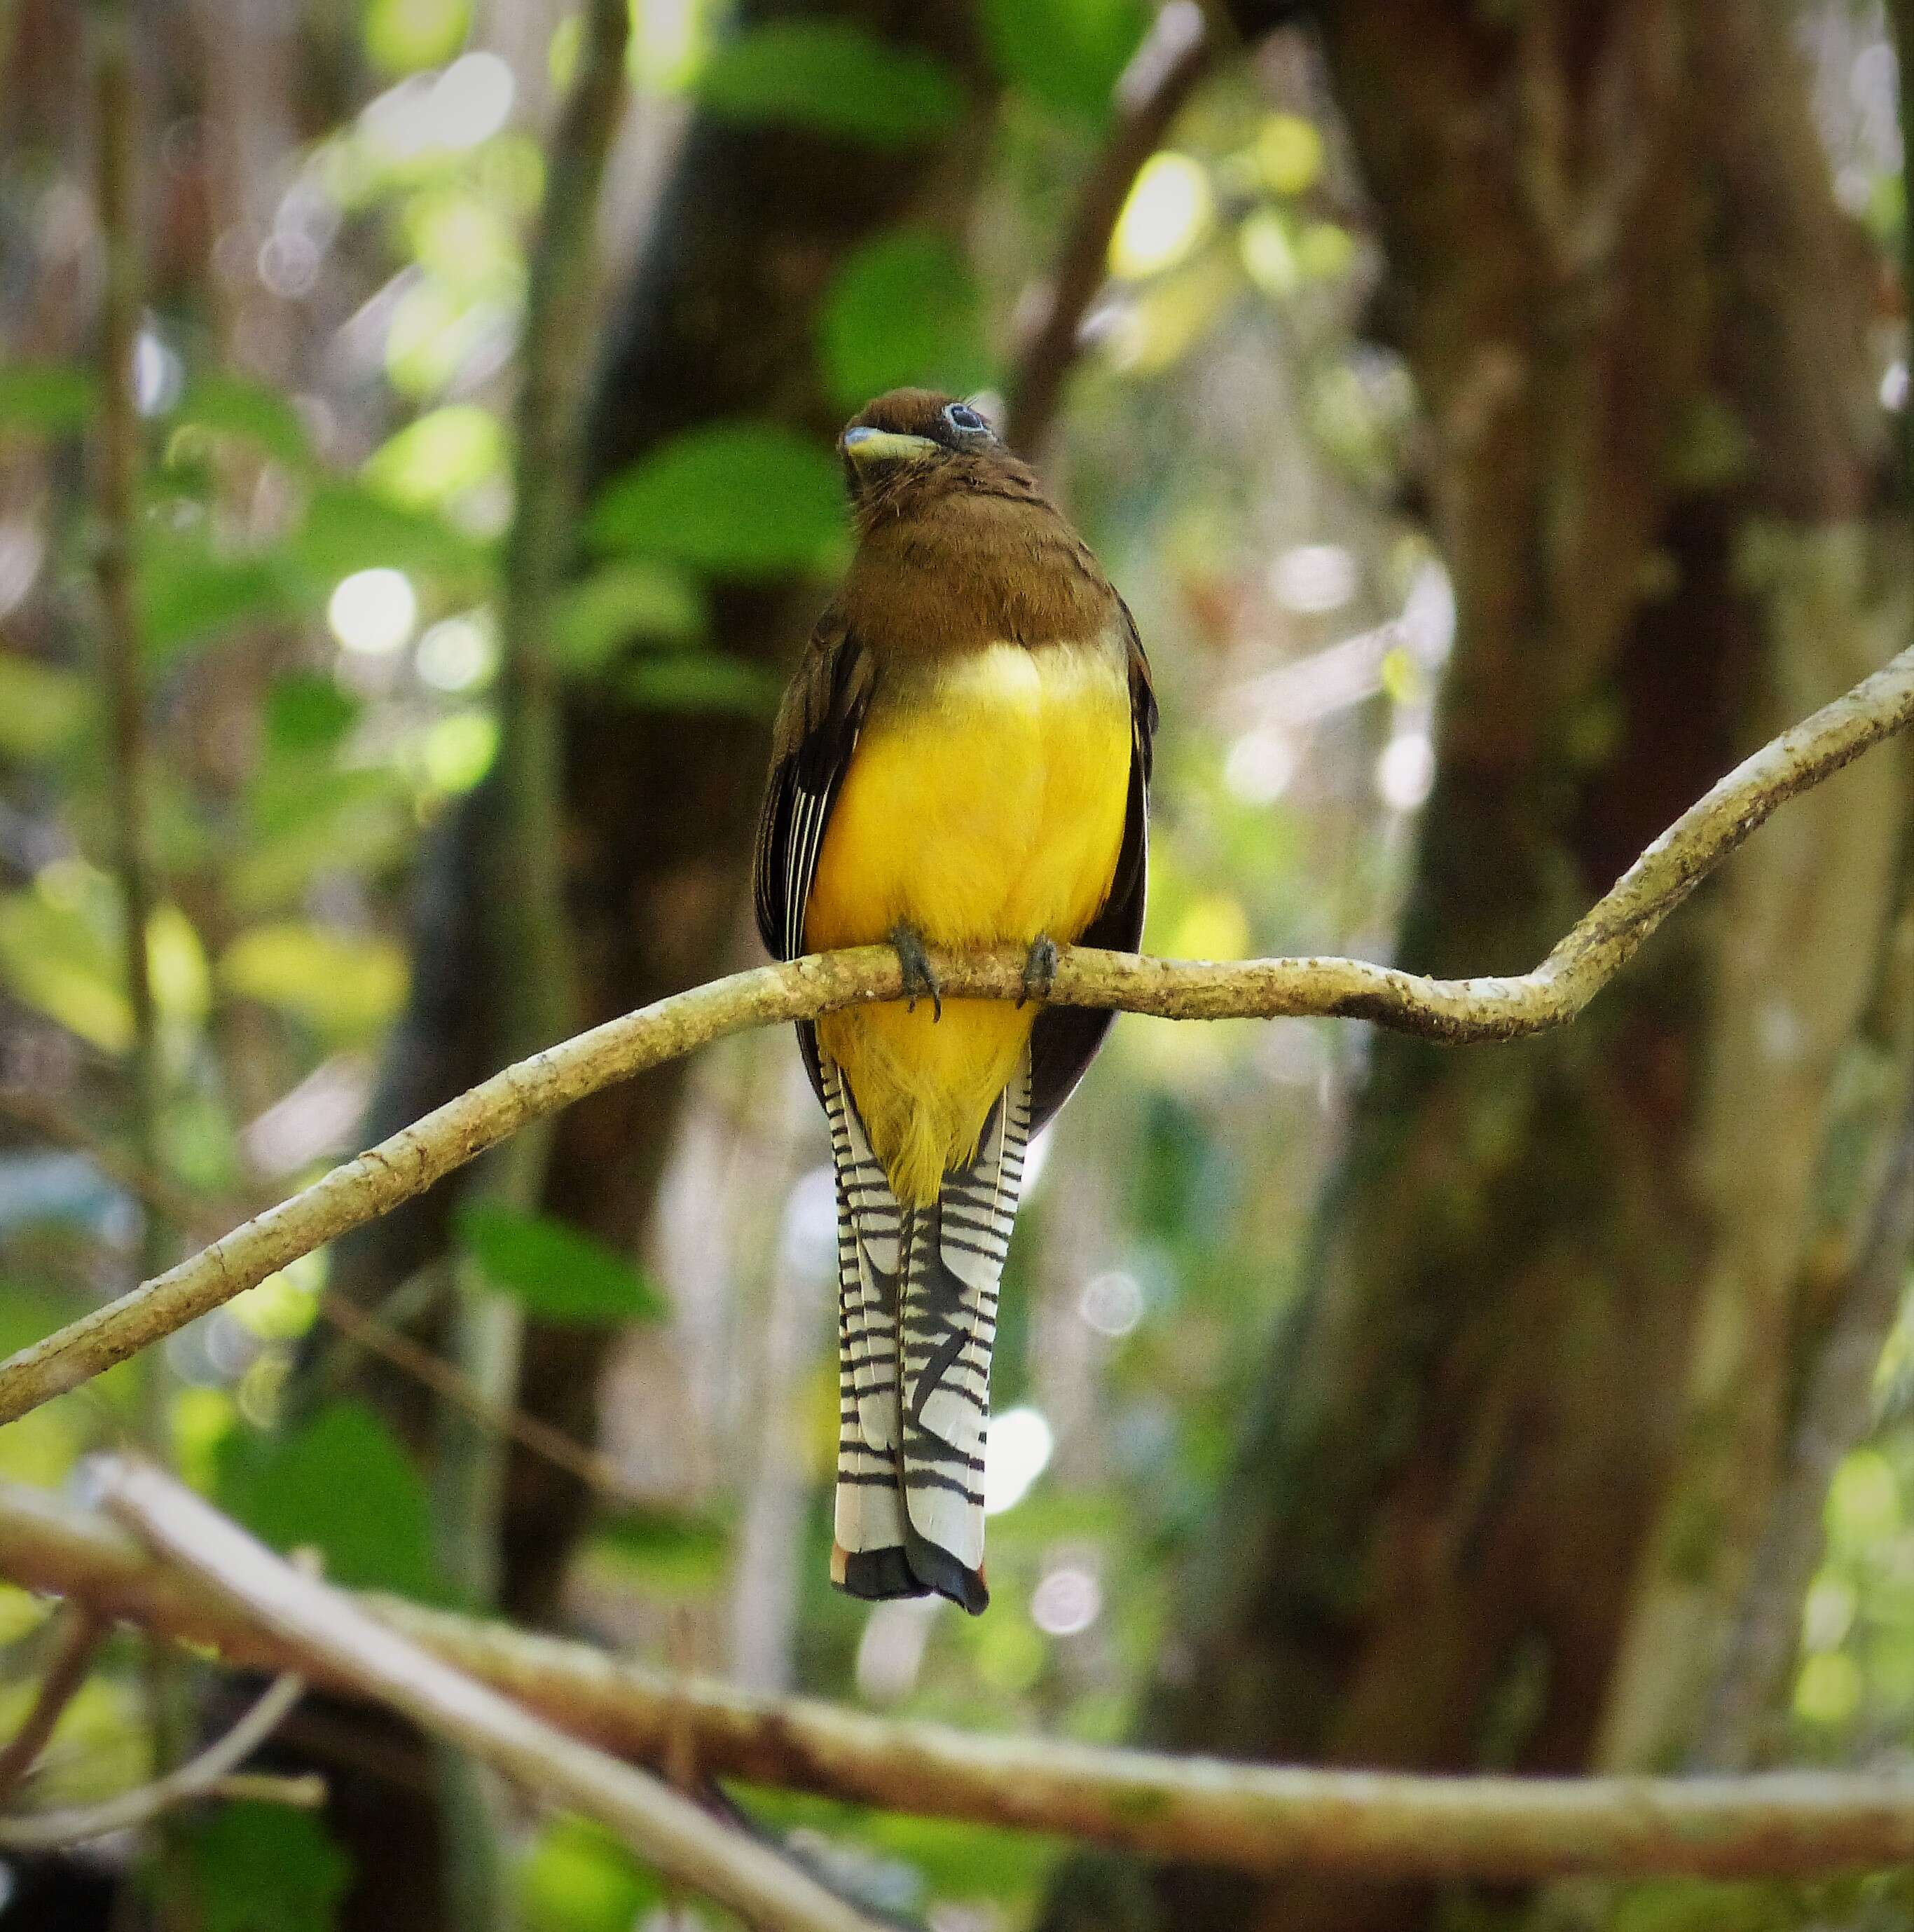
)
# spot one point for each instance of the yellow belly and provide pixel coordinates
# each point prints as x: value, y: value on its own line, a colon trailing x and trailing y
x: 992, y: 814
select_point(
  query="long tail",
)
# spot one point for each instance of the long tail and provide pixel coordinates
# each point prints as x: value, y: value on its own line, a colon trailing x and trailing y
x: 913, y: 1420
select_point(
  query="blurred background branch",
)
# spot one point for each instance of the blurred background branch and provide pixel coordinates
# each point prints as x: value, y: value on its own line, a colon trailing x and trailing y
x: 527, y: 922
x: 320, y: 1623
x: 1168, y: 63
x: 1246, y: 1817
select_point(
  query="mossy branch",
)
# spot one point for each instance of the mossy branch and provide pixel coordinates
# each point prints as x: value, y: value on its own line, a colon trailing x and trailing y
x: 330, y: 1632
x: 1251, y: 1818
x: 1456, y: 1011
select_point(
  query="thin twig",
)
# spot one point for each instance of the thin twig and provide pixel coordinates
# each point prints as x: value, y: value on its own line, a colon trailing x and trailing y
x: 116, y: 462
x: 1452, y: 1010
x: 305, y: 1791
x: 80, y: 1639
x: 198, y: 1778
x: 1252, y: 1818
x: 527, y: 922
x: 596, y: 1470
x: 117, y: 482
x: 1172, y: 58
x: 342, y: 1639
x: 155, y: 1190
x: 1900, y: 23
x: 1835, y: 1409
x: 1835, y: 1414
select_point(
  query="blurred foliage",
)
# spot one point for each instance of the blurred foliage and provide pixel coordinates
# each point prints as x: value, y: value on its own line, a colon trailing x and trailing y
x: 262, y: 1868
x: 1066, y: 53
x: 577, y: 1877
x: 829, y: 77
x: 555, y: 1272
x: 318, y: 576
x: 341, y: 1484
x: 732, y: 499
x: 905, y: 308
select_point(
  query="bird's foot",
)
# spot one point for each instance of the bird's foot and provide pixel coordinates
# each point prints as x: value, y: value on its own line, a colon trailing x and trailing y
x: 1039, y: 971
x: 919, y: 982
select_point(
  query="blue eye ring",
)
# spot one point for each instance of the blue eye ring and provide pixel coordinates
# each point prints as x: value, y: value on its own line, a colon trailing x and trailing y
x: 964, y: 420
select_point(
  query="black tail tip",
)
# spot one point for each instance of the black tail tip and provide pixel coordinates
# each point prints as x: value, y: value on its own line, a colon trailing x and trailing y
x: 923, y: 1570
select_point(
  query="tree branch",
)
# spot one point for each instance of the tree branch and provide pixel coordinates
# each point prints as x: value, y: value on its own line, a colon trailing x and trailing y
x: 1456, y: 1011
x: 1172, y: 58
x: 527, y: 922
x: 116, y: 490
x: 79, y: 1643
x: 1836, y: 1413
x: 324, y: 1625
x: 201, y: 1777
x: 117, y: 453
x: 179, y: 1205
x: 1253, y: 1818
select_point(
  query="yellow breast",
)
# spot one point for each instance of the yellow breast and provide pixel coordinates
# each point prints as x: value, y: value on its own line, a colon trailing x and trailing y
x: 987, y: 809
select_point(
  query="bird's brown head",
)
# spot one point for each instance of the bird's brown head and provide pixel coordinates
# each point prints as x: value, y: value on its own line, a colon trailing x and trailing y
x: 912, y: 446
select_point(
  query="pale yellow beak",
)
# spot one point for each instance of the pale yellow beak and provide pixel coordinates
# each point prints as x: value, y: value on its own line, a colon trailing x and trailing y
x: 884, y: 445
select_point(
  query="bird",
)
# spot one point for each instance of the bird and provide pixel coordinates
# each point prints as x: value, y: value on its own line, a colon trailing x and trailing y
x: 961, y: 761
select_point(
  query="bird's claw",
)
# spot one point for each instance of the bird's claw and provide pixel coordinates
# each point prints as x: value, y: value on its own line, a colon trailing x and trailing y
x: 919, y: 982
x: 1039, y: 971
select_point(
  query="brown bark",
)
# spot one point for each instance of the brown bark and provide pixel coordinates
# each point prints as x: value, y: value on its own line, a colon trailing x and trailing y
x: 716, y: 320
x: 1637, y: 320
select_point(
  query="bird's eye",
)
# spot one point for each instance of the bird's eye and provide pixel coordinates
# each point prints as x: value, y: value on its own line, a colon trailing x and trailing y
x: 961, y: 416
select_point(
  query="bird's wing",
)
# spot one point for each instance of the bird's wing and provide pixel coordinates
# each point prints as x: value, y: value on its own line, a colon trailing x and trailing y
x: 1065, y: 1039
x: 817, y: 732
x: 812, y: 742
x: 816, y: 735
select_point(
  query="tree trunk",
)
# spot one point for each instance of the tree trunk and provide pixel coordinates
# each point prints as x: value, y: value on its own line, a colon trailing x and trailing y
x: 715, y: 320
x: 1517, y: 1441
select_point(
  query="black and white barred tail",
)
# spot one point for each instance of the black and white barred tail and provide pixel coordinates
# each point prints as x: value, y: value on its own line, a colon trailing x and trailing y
x: 917, y: 1316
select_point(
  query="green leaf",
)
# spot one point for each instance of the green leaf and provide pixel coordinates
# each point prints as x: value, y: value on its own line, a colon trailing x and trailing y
x: 1066, y: 54
x: 42, y: 709
x: 188, y: 595
x: 833, y: 79
x: 341, y: 1484
x: 346, y: 987
x: 960, y: 1860
x: 444, y: 454
x: 349, y: 528
x: 304, y: 818
x: 231, y: 405
x: 404, y: 35
x: 700, y: 681
x: 556, y: 1272
x: 904, y: 310
x: 747, y: 500
x: 46, y: 398
x: 266, y: 1868
x: 578, y: 1878
x: 623, y: 603
x: 663, y: 1549
x: 56, y: 958
x: 306, y: 712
